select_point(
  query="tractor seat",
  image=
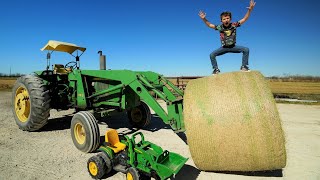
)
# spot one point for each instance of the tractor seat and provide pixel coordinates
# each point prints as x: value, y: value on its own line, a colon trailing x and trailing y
x: 112, y: 138
x: 59, y: 69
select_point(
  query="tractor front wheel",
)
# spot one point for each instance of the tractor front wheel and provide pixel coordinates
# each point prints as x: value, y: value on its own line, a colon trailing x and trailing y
x: 139, y: 116
x: 96, y: 167
x: 107, y: 161
x: 85, y: 131
x: 132, y: 174
x: 30, y: 103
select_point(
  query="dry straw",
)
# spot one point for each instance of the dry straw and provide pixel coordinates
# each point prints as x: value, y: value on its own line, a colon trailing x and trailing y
x: 232, y: 123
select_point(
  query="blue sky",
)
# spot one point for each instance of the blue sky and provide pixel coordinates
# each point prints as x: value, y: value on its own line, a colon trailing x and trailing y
x: 165, y: 36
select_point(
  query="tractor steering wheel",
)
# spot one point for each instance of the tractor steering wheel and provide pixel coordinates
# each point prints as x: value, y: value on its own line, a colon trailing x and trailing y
x: 70, y: 66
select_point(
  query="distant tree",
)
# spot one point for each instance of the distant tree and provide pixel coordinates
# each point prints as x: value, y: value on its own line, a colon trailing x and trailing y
x: 12, y: 75
x: 289, y: 78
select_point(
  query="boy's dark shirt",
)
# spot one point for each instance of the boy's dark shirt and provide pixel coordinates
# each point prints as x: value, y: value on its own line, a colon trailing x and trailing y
x: 228, y: 34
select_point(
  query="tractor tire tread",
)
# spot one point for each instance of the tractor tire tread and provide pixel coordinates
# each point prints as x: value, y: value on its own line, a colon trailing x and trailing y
x: 39, y: 102
x: 134, y: 172
x: 91, y: 128
x: 101, y: 166
x: 107, y: 161
x: 94, y: 129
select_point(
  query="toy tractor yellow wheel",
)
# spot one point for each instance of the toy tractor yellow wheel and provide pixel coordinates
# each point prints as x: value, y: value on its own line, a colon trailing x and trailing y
x: 30, y: 103
x: 132, y: 174
x: 85, y: 131
x: 139, y: 116
x: 96, y: 167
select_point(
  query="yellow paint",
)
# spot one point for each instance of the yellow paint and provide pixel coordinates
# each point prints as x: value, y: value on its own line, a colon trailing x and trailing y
x: 112, y: 137
x: 93, y: 169
x: 129, y: 176
x: 22, y: 104
x: 62, y: 47
x: 137, y: 150
x: 79, y: 133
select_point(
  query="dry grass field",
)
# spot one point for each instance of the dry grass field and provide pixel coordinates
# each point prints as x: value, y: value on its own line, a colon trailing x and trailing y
x: 7, y: 82
x: 295, y: 87
x: 296, y: 90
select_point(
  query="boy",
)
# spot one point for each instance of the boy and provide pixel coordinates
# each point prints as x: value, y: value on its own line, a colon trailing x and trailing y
x: 228, y: 37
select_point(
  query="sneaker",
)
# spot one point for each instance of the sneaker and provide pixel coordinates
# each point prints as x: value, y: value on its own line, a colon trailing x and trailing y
x: 245, y: 68
x: 216, y: 71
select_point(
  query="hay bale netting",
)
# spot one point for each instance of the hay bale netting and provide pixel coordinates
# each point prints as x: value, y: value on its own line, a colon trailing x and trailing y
x: 232, y: 123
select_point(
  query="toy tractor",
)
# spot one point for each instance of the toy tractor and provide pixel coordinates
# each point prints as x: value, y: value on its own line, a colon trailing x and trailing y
x: 101, y: 91
x: 137, y: 158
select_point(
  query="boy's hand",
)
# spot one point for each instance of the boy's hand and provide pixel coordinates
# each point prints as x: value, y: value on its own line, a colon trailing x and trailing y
x: 250, y: 8
x: 203, y: 17
x: 252, y: 4
x: 202, y: 14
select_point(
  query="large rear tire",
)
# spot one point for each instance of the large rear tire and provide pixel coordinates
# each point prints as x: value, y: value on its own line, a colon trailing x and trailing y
x: 30, y: 103
x: 85, y: 131
x: 139, y: 116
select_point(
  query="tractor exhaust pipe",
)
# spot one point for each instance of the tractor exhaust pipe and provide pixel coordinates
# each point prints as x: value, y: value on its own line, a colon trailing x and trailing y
x: 102, y: 61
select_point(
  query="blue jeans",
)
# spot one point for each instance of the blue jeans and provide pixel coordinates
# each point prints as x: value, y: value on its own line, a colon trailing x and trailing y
x: 235, y: 49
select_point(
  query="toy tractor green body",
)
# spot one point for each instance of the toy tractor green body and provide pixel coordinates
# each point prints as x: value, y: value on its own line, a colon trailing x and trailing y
x: 135, y: 157
x: 101, y: 91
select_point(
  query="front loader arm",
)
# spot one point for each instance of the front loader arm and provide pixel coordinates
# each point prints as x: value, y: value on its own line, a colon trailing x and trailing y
x: 139, y: 85
x: 147, y: 82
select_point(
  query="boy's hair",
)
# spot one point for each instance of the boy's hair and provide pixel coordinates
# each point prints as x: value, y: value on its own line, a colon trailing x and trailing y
x: 226, y: 13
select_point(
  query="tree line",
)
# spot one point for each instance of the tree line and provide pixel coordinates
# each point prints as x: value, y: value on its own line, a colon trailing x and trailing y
x: 295, y: 78
x: 11, y: 75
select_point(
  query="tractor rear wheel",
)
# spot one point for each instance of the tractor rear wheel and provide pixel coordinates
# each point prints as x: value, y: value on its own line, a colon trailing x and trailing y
x: 96, y: 167
x: 139, y: 116
x: 132, y: 174
x: 85, y: 131
x: 30, y: 103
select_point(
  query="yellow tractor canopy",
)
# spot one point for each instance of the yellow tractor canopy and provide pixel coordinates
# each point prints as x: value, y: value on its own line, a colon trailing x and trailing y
x: 62, y: 46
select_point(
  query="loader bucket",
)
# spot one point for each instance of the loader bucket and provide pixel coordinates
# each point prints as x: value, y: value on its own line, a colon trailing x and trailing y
x: 169, y: 164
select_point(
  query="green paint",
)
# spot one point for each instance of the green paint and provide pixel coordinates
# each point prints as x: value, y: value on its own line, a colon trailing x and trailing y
x: 148, y: 157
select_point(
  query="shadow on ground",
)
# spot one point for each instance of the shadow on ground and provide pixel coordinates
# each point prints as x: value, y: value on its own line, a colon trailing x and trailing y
x: 183, y: 137
x: 121, y: 121
x: 56, y: 124
x: 187, y: 173
x: 272, y: 173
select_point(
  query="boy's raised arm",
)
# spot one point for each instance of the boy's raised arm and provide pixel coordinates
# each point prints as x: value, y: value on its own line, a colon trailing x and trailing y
x: 250, y: 8
x: 203, y: 17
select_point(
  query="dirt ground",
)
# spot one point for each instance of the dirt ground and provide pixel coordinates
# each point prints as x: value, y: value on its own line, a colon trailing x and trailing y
x: 50, y: 153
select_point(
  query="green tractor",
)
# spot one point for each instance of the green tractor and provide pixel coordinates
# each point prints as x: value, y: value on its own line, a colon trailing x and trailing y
x: 99, y: 91
x: 137, y: 158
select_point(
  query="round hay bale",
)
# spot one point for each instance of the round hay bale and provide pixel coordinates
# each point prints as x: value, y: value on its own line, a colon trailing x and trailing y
x: 232, y: 123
